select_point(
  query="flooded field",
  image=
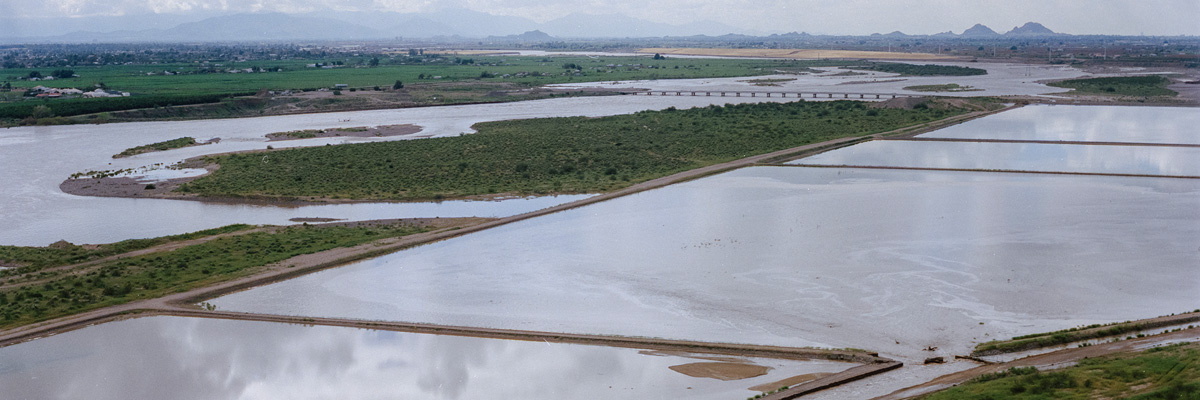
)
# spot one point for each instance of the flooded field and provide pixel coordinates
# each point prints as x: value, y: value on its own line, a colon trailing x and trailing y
x: 36, y: 212
x: 1048, y: 157
x: 886, y: 260
x: 181, y: 358
x: 1083, y: 123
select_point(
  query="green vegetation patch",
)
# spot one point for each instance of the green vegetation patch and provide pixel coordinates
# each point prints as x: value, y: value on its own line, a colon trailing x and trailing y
x: 1168, y: 372
x: 31, y: 259
x: 550, y: 155
x: 70, y: 107
x: 1047, y: 339
x: 160, y: 146
x: 926, y: 69
x: 949, y: 87
x: 161, y: 273
x: 1149, y: 85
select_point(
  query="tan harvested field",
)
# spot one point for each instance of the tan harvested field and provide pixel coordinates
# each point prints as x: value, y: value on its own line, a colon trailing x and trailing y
x: 798, y: 54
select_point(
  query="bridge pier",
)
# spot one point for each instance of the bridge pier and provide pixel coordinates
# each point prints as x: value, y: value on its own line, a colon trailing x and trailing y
x: 860, y: 95
x: 722, y: 94
x: 737, y: 94
x: 845, y: 95
x: 693, y: 94
x: 706, y: 94
x: 877, y: 96
x: 751, y: 94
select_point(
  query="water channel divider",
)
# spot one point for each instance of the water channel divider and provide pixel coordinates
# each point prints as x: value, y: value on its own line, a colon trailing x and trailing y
x: 1073, y: 142
x: 1007, y: 171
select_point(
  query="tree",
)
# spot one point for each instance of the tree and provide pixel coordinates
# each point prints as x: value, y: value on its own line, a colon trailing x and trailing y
x: 41, y: 111
x: 659, y: 57
x: 374, y: 62
x: 421, y: 76
x: 34, y: 74
x: 398, y: 85
x: 62, y: 73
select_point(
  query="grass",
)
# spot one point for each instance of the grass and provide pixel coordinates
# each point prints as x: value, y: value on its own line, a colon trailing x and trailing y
x: 1047, y: 339
x: 1167, y: 372
x: 160, y: 146
x: 949, y: 87
x: 1138, y: 86
x: 31, y: 259
x: 549, y: 155
x: 153, y: 275
x: 926, y: 70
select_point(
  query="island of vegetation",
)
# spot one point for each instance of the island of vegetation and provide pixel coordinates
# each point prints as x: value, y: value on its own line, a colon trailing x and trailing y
x: 160, y: 146
x: 949, y: 87
x: 549, y: 155
x: 1140, y: 86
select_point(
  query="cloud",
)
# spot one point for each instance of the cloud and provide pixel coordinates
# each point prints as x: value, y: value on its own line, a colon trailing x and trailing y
x: 1154, y: 17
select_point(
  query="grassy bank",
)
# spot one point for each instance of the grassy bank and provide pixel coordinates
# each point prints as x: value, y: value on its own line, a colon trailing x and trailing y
x: 925, y: 69
x: 25, y: 259
x: 1167, y: 372
x: 551, y: 155
x: 1072, y: 335
x: 160, y: 146
x: 949, y: 87
x: 1140, y: 86
x: 157, y: 274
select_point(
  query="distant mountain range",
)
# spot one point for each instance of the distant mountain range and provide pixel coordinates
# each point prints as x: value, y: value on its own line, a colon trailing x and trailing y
x: 347, y: 25
x: 446, y: 24
x: 1030, y: 29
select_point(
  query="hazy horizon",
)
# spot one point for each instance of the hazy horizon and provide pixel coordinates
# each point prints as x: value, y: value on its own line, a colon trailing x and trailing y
x: 760, y: 17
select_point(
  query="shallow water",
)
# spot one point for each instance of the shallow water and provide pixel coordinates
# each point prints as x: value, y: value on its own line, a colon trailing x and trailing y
x: 1001, y: 80
x: 1140, y: 160
x: 35, y: 160
x: 886, y: 260
x: 184, y: 358
x: 1083, y: 123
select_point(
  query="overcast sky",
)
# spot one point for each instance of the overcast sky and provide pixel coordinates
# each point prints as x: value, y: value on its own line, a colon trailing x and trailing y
x: 1125, y: 17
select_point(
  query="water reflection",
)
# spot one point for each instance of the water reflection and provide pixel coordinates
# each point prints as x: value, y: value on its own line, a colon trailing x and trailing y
x: 182, y: 358
x: 799, y: 256
x: 1083, y: 123
x: 1141, y: 160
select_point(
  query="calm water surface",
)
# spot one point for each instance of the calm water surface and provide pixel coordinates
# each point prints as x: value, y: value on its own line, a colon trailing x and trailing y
x: 1085, y: 124
x: 1140, y: 160
x: 184, y: 358
x: 886, y: 260
x: 35, y: 160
